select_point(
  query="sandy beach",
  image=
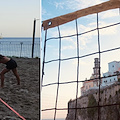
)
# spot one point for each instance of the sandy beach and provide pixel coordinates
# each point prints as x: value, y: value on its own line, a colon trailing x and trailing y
x: 23, y: 98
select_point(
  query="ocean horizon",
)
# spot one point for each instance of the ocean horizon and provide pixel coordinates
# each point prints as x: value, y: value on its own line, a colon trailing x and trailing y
x: 20, y: 46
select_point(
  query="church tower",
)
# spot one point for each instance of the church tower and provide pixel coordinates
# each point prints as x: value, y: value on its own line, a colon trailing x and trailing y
x: 95, y: 74
x: 96, y: 68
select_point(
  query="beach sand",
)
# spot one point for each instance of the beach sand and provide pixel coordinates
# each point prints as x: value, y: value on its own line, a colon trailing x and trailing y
x: 23, y: 98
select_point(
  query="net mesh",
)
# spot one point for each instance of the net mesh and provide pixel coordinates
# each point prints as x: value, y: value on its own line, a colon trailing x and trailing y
x: 64, y: 58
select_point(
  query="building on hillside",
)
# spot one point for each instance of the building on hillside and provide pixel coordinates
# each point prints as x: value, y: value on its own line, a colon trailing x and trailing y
x: 94, y: 79
x: 112, y: 75
x: 86, y: 86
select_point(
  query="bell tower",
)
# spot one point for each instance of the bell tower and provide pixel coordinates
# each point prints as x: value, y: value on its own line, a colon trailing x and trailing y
x: 96, y: 68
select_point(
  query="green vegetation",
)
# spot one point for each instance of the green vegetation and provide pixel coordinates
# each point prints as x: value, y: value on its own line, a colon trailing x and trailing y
x: 102, y: 92
x: 36, y: 57
x: 118, y: 79
x: 91, y: 103
x: 119, y: 90
x: 110, y: 96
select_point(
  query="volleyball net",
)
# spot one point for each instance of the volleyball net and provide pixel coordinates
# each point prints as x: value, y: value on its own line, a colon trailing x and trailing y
x: 70, y: 47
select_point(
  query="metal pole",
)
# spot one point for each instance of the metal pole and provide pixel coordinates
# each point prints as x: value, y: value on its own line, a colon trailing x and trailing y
x: 34, y: 25
x: 21, y: 48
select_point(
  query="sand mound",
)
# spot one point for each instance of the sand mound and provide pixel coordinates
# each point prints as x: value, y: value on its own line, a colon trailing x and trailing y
x: 24, y: 98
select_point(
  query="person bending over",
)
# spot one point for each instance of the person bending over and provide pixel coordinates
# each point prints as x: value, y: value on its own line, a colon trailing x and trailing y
x: 10, y: 65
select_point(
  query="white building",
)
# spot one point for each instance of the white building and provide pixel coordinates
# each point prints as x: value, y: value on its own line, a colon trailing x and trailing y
x: 108, y: 78
x: 111, y: 76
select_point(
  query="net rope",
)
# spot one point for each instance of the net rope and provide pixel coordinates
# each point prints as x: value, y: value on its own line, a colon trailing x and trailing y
x: 78, y: 57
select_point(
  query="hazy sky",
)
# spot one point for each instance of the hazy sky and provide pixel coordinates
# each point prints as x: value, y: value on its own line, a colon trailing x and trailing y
x: 109, y: 38
x: 17, y: 16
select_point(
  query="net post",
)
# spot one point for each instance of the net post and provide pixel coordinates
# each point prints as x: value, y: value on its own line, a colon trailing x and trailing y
x: 33, y: 42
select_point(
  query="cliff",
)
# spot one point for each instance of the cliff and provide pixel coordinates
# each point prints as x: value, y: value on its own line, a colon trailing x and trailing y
x: 108, y: 96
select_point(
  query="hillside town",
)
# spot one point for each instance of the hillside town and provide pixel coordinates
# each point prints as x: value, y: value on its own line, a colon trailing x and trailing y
x: 107, y: 78
x: 109, y: 94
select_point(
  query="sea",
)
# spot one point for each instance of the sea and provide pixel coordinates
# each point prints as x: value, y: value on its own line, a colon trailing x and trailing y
x: 20, y: 47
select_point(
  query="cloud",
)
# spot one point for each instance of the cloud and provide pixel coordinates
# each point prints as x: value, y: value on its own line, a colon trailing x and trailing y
x: 108, y: 31
x: 59, y: 5
x: 71, y: 44
x: 68, y: 47
x: 86, y: 38
x: 43, y: 11
x: 77, y: 4
x: 109, y: 14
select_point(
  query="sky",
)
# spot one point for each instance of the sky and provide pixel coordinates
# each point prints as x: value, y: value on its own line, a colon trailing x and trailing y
x: 109, y: 39
x: 54, y: 8
x: 17, y: 18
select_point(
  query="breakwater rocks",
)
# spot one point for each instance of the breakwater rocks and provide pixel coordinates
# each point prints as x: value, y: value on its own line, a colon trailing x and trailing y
x: 22, y: 98
x: 109, y: 105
